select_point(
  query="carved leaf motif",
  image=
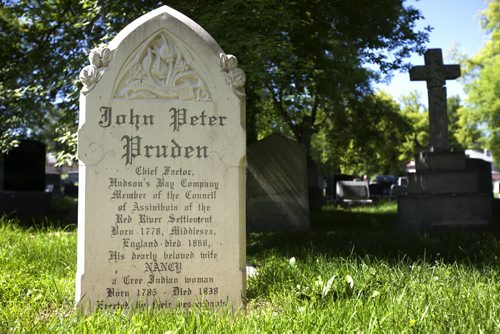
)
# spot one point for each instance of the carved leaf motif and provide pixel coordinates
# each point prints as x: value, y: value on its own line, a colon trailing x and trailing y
x: 99, y: 61
x: 106, y: 56
x: 229, y: 62
x: 162, y: 69
x: 235, y: 76
x: 88, y: 75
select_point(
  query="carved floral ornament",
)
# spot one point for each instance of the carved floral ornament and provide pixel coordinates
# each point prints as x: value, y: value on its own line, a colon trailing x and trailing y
x: 235, y: 76
x: 162, y: 69
x: 99, y: 61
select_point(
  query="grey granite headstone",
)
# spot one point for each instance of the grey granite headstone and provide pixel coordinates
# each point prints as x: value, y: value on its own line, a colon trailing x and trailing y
x: 277, y: 198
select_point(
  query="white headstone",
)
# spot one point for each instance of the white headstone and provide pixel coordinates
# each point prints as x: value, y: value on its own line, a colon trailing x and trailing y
x: 161, y: 145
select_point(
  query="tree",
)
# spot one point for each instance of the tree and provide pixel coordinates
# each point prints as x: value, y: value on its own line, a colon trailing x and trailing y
x: 463, y: 126
x: 483, y: 80
x: 310, y: 61
x: 468, y: 134
x: 364, y: 139
x: 454, y: 106
x: 43, y: 46
x: 9, y: 120
x: 417, y: 139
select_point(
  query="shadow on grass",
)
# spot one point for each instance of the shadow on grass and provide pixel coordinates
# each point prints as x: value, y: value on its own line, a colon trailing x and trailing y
x: 361, y: 233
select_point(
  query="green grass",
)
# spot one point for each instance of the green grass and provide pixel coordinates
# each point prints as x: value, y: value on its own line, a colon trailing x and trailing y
x: 350, y: 273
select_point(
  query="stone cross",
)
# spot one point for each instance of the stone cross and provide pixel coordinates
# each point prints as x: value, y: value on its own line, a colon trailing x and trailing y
x: 436, y: 74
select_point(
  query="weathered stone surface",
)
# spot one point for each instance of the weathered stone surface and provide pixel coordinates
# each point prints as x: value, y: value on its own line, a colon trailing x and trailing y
x: 447, y: 189
x: 162, y: 178
x: 440, y: 161
x: 483, y: 171
x: 435, y: 73
x: 434, y: 211
x: 277, y: 185
x: 443, y: 182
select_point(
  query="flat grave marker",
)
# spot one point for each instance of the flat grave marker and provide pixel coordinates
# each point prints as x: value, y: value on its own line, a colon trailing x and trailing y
x: 162, y: 178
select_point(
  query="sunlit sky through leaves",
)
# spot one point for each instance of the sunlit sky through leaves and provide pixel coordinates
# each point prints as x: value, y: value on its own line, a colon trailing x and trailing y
x: 457, y: 24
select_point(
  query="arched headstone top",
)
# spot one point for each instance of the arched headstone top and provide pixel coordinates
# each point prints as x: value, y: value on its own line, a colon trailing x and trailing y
x: 162, y: 68
x: 173, y: 58
x: 162, y: 148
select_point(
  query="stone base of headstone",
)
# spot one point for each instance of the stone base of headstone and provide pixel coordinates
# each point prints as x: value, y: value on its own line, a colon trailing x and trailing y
x: 435, y: 211
x: 440, y: 161
x: 25, y: 204
x: 447, y: 190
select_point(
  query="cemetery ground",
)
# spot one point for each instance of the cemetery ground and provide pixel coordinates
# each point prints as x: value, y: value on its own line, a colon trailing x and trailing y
x: 350, y: 273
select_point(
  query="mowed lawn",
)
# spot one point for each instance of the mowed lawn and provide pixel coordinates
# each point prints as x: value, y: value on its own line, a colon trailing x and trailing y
x: 351, y: 273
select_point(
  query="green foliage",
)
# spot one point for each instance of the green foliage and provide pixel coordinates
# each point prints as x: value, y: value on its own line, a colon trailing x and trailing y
x: 361, y: 139
x: 7, y: 135
x: 468, y: 134
x: 43, y: 47
x: 463, y: 126
x: 36, y: 275
x: 483, y: 77
x: 418, y: 138
x: 455, y: 111
x: 66, y: 155
x: 310, y: 61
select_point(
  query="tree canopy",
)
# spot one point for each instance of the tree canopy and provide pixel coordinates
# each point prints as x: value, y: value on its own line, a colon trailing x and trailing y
x: 483, y: 82
x: 308, y: 63
x: 43, y: 46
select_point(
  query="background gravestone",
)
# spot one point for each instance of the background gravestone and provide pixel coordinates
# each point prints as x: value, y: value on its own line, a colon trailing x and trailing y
x: 483, y: 169
x: 53, y: 183
x: 277, y: 185
x: 447, y: 190
x: 23, y: 181
x: 353, y: 192
x: 162, y: 178
x: 24, y: 167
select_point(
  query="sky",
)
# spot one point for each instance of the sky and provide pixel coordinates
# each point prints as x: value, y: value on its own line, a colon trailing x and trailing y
x: 455, y: 23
